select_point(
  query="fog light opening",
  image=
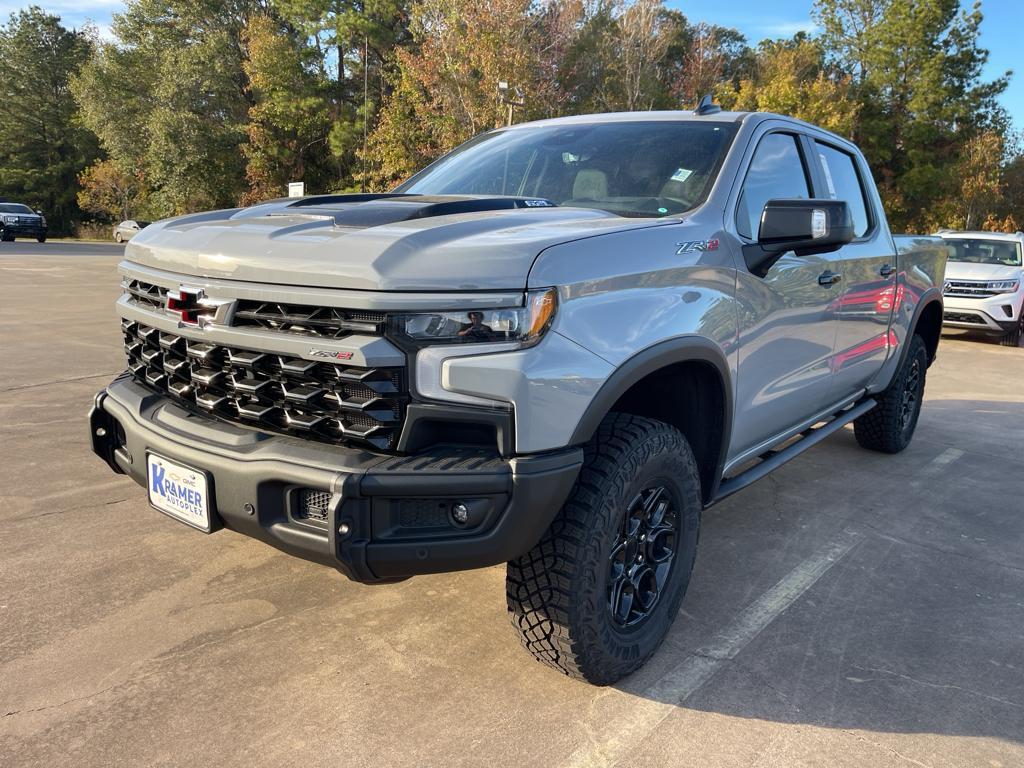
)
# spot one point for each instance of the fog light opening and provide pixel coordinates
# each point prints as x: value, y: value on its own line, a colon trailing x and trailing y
x: 460, y: 513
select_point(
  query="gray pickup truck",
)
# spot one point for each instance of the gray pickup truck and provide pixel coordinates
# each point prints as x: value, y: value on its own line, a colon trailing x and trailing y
x: 553, y: 347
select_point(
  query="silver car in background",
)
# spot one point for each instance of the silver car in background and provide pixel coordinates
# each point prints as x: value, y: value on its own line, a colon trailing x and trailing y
x: 127, y: 229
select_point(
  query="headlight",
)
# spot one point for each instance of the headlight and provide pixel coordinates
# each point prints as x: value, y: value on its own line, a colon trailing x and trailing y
x: 10, y: 219
x: 1010, y: 286
x: 524, y: 325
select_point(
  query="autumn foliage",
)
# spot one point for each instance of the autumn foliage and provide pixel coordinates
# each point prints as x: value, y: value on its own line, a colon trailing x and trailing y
x: 203, y: 103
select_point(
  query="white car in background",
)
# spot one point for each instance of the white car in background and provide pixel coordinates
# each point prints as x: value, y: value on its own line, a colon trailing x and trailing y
x: 984, y: 286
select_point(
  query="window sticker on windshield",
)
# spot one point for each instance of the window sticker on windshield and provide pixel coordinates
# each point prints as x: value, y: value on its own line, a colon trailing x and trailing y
x: 681, y: 174
x: 828, y: 176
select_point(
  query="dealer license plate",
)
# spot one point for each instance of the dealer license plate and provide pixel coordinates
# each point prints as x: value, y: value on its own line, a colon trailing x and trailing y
x: 179, y: 491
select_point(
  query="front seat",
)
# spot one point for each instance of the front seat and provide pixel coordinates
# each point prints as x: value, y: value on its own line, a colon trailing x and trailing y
x: 590, y: 184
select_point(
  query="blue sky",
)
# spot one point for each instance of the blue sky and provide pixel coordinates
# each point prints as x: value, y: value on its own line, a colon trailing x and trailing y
x: 757, y: 19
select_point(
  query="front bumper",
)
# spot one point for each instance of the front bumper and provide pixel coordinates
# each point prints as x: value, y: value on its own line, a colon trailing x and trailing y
x: 393, y: 510
x: 996, y: 314
x: 20, y: 230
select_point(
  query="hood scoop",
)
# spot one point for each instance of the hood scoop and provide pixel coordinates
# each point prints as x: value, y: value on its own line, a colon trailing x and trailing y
x: 362, y: 211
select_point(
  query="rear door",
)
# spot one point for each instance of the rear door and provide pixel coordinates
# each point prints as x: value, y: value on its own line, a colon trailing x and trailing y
x: 868, y: 291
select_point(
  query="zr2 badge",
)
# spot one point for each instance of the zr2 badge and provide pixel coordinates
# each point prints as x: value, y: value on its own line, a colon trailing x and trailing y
x: 696, y: 246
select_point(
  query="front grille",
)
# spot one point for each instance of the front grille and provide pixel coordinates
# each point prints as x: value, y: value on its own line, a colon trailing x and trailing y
x: 965, y: 289
x: 318, y: 322
x: 963, y: 317
x: 145, y: 295
x: 289, y: 395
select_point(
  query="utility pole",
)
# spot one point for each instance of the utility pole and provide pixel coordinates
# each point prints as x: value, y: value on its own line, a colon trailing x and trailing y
x: 505, y: 94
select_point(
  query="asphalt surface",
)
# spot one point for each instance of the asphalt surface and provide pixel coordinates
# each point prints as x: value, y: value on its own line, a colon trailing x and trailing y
x: 852, y: 609
x: 30, y: 249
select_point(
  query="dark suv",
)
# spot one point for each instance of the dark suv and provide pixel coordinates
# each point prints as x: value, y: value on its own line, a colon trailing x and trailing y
x: 18, y: 220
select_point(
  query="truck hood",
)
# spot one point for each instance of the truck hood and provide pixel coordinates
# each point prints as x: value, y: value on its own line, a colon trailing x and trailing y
x: 963, y: 270
x: 373, y: 242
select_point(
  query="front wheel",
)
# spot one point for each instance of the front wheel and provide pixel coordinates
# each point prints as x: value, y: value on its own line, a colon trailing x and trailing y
x: 1012, y: 339
x: 597, y: 595
x: 6, y: 238
x: 41, y: 239
x: 118, y: 239
x: 889, y: 426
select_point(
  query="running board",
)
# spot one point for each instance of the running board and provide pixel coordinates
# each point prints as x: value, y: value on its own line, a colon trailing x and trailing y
x: 772, y: 460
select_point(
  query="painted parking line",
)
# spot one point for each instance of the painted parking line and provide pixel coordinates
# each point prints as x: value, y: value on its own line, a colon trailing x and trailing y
x: 659, y: 700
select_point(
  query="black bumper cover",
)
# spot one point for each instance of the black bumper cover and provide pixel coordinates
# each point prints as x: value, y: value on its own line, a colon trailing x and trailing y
x: 18, y: 230
x: 376, y: 500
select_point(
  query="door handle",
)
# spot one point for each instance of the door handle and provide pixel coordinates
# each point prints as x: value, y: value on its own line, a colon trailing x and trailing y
x: 828, y: 278
x: 887, y: 270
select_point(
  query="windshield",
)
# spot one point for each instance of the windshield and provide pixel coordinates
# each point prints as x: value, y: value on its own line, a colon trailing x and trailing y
x: 15, y: 208
x: 641, y: 168
x: 1004, y: 252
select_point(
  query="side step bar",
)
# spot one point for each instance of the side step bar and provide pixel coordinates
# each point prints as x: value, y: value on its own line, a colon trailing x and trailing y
x: 772, y: 460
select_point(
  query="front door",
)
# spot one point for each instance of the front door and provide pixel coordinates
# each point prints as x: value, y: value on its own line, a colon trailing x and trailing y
x: 787, y: 331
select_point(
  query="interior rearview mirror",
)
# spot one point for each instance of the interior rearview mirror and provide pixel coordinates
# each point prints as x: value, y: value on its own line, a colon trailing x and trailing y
x: 799, y: 225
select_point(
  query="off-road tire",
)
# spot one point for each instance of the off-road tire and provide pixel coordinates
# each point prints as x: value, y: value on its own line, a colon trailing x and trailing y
x: 884, y: 428
x: 1012, y: 339
x: 6, y: 238
x: 559, y: 592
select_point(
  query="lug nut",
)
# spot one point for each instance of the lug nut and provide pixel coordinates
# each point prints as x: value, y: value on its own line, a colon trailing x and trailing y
x: 344, y: 528
x: 101, y: 432
x: 249, y: 509
x: 460, y: 513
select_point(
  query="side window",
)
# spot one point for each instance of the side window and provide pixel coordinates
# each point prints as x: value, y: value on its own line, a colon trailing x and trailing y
x: 776, y: 171
x: 843, y: 183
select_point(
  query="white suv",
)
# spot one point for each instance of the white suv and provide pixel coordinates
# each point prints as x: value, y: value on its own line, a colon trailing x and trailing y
x: 984, y: 287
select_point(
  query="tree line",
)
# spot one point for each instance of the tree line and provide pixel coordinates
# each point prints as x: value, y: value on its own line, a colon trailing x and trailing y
x: 197, y: 104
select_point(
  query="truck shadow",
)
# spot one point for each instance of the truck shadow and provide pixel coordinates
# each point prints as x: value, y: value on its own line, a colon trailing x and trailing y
x: 914, y: 628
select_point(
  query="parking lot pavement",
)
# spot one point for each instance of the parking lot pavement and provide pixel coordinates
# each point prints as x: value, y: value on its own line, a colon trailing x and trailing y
x: 852, y: 609
x: 30, y: 249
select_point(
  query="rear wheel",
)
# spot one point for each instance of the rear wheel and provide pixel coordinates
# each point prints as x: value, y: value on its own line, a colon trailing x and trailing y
x: 889, y: 426
x: 597, y: 595
x: 118, y: 238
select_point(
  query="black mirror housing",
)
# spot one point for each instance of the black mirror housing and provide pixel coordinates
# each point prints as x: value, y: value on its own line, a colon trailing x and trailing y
x: 800, y: 225
x: 805, y: 226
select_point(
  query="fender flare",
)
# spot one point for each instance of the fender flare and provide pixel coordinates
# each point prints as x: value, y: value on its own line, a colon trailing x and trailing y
x: 931, y: 296
x: 680, y: 349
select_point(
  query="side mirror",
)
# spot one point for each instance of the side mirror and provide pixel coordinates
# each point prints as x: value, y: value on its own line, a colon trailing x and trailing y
x: 803, y: 226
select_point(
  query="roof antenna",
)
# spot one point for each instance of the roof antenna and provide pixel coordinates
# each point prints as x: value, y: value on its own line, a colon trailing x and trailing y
x: 707, y: 106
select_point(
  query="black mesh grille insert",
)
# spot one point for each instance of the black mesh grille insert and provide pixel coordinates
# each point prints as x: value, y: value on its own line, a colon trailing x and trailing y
x: 320, y: 400
x: 318, y: 322
x: 313, y: 505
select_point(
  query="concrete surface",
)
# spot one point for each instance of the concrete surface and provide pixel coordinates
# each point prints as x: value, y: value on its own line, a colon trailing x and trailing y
x: 853, y: 609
